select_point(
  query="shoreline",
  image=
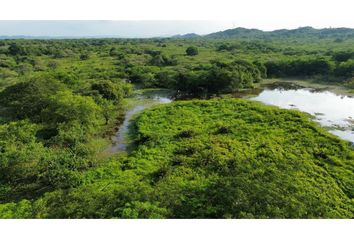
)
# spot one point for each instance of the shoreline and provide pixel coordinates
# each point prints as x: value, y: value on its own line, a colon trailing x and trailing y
x: 311, y: 83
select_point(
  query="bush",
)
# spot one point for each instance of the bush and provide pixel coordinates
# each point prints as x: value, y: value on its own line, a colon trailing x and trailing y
x: 162, y: 60
x: 218, y: 78
x: 192, y: 51
x: 108, y: 90
x: 20, y: 210
x: 343, y: 56
x: 84, y: 56
x: 307, y: 67
x: 17, y: 49
x: 29, y: 99
x: 345, y: 69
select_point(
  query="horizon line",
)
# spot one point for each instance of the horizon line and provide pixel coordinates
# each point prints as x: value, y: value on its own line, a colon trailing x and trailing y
x: 114, y: 36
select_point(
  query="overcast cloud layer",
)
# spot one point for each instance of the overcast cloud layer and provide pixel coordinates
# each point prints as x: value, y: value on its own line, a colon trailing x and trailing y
x: 92, y: 28
x: 110, y: 28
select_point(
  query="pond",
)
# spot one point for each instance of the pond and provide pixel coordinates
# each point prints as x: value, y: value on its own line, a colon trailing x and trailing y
x: 333, y: 111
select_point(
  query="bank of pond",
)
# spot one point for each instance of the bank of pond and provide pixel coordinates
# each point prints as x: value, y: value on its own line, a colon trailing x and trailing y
x: 332, y: 109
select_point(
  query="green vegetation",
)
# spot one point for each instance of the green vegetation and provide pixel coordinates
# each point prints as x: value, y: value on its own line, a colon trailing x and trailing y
x: 61, y: 99
x: 213, y: 159
x: 192, y: 51
x: 54, y: 116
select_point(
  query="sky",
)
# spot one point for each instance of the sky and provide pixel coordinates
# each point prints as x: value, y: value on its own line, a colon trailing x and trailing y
x: 110, y: 28
x: 153, y: 18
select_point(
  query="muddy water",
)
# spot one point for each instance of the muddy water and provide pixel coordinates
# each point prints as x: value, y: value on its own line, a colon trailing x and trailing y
x: 143, y: 100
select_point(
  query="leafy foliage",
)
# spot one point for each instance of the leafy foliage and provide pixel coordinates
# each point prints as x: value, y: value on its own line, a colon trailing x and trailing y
x: 60, y: 99
x: 269, y: 163
x: 192, y: 51
x: 241, y: 160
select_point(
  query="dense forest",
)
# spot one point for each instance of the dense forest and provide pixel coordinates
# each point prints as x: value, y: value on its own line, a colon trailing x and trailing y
x: 60, y: 101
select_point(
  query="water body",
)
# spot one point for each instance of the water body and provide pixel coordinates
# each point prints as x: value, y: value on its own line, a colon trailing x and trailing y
x: 333, y: 111
x: 142, y: 100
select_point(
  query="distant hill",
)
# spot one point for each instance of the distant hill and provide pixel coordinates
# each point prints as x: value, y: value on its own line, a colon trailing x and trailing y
x: 241, y: 33
x: 187, y: 36
x: 236, y: 32
x: 284, y: 33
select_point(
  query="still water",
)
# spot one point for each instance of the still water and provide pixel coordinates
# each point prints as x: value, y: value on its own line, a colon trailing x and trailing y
x: 145, y: 100
x: 333, y: 111
x: 336, y: 112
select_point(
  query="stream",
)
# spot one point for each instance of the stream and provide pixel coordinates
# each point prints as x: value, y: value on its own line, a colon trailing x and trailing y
x: 141, y: 100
